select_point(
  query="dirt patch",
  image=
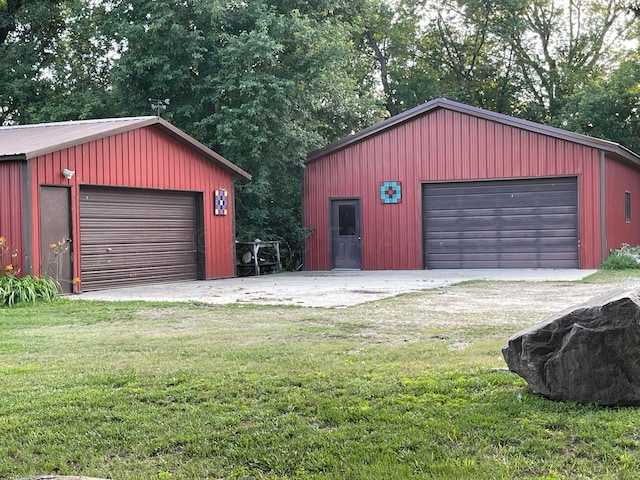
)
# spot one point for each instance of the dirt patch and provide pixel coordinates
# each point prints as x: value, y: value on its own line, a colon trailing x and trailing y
x: 467, y: 311
x: 501, y: 303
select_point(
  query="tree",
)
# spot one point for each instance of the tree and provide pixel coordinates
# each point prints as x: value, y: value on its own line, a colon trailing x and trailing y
x: 511, y: 56
x: 53, y: 62
x: 465, y: 47
x: 561, y: 47
x: 451, y: 49
x: 276, y: 84
x: 8, y: 12
x: 262, y: 83
x: 607, y: 109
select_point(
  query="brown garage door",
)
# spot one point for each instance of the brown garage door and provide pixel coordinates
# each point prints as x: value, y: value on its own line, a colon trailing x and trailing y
x: 502, y: 224
x: 133, y: 237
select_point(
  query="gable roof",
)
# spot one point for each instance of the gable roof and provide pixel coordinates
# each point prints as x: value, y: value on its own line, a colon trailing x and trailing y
x: 23, y: 142
x: 613, y: 148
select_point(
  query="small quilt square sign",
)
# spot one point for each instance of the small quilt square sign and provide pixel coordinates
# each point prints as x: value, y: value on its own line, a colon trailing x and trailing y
x: 391, y: 192
x: 221, y: 202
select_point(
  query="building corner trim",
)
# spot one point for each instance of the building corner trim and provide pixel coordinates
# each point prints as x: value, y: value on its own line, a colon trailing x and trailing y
x: 603, y: 208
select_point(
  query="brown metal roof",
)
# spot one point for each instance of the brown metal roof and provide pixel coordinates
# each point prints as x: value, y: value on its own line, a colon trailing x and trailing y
x: 607, y: 146
x: 22, y: 142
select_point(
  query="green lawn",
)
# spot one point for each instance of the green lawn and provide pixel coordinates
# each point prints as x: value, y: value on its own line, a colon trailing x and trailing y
x: 389, y: 389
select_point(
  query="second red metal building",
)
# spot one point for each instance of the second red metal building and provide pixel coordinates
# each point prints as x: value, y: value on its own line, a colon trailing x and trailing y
x: 446, y: 185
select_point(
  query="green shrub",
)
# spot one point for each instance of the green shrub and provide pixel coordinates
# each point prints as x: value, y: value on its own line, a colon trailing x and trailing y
x: 625, y: 258
x: 26, y: 289
x: 15, y: 288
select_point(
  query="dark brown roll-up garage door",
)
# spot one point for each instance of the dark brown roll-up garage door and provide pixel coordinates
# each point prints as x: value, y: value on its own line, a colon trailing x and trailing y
x: 502, y: 224
x: 132, y: 237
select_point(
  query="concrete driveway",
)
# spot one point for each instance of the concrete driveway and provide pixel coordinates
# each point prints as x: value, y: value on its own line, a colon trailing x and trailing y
x: 322, y: 289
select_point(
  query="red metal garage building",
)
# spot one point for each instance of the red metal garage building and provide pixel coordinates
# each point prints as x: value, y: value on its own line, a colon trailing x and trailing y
x: 116, y: 202
x: 446, y: 185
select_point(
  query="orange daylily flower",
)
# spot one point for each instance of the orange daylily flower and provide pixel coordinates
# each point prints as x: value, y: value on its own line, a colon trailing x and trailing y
x: 53, y: 245
x: 9, y: 268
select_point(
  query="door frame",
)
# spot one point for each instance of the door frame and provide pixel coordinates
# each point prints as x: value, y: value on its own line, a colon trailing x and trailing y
x: 65, y: 284
x: 334, y: 201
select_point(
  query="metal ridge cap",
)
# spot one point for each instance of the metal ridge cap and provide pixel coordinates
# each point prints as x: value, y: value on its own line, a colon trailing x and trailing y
x: 76, y: 122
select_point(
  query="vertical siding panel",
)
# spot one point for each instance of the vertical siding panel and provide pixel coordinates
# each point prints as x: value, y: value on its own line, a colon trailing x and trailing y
x: 169, y: 178
x: 108, y: 167
x: 36, y: 172
x: 166, y: 165
x: 101, y: 164
x: 82, y: 164
x: 412, y: 192
x: 399, y: 216
x: 182, y: 167
x: 55, y: 174
x: 146, y: 175
x: 116, y: 158
x: 67, y: 160
x: 462, y: 131
x: 155, y: 160
x: 179, y: 165
x: 140, y: 156
x: 53, y: 161
x: 160, y: 159
x: 439, y: 164
x: 151, y: 159
x: 90, y: 163
x: 161, y: 162
x: 11, y: 215
x: 620, y: 179
x: 111, y: 172
x: 130, y: 156
x: 485, y: 134
x: 533, y: 154
x: 431, y: 172
x: 492, y: 155
x: 172, y: 170
x: 467, y: 160
x: 499, y: 152
x: 512, y: 155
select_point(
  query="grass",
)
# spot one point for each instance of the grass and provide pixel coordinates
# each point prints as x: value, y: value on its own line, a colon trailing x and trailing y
x: 613, y: 276
x: 384, y: 390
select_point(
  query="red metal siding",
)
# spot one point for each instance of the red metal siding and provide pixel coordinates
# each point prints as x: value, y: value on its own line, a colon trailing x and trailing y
x: 143, y: 158
x: 442, y: 145
x: 620, y: 179
x: 11, y: 213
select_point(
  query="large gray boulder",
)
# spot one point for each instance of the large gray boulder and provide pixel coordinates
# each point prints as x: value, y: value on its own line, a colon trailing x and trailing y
x: 589, y: 353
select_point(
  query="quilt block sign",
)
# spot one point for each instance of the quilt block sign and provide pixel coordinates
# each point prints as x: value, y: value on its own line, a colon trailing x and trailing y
x: 391, y: 192
x: 221, y: 202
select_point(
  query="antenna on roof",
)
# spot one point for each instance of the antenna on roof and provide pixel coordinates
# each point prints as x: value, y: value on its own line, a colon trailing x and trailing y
x: 158, y: 104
